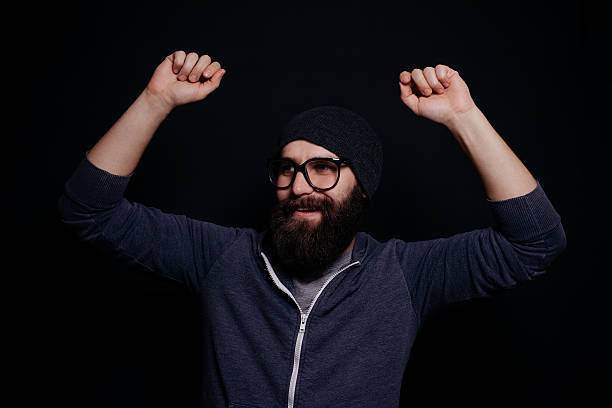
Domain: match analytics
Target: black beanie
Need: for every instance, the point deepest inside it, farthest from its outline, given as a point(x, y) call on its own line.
point(344, 133)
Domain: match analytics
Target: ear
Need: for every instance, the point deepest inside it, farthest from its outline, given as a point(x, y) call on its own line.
point(363, 195)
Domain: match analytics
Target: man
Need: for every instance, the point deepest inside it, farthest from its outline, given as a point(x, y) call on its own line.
point(313, 313)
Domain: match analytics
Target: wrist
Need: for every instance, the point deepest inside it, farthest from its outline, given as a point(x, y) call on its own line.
point(156, 102)
point(458, 123)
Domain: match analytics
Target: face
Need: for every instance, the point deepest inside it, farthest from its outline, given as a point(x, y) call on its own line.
point(309, 229)
point(299, 151)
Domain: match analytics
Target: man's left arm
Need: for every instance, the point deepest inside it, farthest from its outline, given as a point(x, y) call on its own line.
point(441, 95)
point(528, 234)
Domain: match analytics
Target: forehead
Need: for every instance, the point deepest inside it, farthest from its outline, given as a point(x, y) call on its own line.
point(302, 150)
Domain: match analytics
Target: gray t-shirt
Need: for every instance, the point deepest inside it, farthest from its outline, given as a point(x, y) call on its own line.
point(304, 291)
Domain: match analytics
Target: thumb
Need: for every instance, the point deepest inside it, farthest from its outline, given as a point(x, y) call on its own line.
point(166, 64)
point(409, 98)
point(213, 83)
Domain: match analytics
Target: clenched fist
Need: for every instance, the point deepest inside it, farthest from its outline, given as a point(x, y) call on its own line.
point(183, 78)
point(436, 93)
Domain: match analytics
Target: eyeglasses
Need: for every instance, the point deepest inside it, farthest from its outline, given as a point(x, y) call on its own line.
point(321, 173)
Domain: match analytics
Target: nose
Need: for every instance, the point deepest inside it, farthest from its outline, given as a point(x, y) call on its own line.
point(300, 185)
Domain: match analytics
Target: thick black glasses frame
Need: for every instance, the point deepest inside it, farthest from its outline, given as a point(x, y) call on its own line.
point(302, 168)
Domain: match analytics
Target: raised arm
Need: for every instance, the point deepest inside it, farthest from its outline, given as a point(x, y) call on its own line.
point(93, 202)
point(527, 235)
point(180, 79)
point(440, 94)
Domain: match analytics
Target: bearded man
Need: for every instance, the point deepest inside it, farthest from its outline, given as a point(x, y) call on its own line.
point(313, 312)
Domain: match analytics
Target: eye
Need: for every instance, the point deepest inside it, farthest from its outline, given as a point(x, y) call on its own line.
point(285, 169)
point(323, 167)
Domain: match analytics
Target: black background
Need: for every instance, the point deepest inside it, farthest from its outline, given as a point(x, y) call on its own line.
point(90, 333)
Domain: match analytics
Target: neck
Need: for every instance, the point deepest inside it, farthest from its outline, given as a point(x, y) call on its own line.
point(350, 246)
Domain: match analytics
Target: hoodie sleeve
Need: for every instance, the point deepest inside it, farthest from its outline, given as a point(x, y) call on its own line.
point(526, 237)
point(175, 246)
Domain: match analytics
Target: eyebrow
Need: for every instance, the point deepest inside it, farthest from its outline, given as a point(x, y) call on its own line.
point(313, 157)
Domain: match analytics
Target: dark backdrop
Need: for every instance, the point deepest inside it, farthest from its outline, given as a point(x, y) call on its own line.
point(91, 333)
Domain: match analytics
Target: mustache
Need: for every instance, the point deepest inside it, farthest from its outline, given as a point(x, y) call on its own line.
point(323, 203)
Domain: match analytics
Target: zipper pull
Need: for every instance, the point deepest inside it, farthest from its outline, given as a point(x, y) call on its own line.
point(303, 324)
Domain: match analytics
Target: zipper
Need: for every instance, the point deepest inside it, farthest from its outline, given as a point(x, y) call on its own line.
point(296, 359)
point(303, 319)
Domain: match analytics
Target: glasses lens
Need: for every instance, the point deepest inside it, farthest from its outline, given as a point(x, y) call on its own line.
point(322, 173)
point(281, 172)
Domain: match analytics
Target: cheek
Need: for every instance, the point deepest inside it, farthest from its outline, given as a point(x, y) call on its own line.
point(282, 194)
point(344, 187)
point(339, 195)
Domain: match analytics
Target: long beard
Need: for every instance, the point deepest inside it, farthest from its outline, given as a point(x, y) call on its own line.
point(305, 248)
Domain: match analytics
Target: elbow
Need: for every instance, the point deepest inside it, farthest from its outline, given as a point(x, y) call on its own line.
point(64, 208)
point(79, 218)
point(73, 216)
point(70, 211)
point(553, 245)
point(537, 256)
point(556, 243)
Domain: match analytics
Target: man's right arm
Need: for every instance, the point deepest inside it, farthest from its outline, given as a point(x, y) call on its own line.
point(180, 79)
point(175, 246)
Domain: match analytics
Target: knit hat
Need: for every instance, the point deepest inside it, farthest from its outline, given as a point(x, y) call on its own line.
point(344, 133)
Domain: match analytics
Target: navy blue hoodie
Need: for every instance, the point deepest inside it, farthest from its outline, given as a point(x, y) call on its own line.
point(351, 346)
